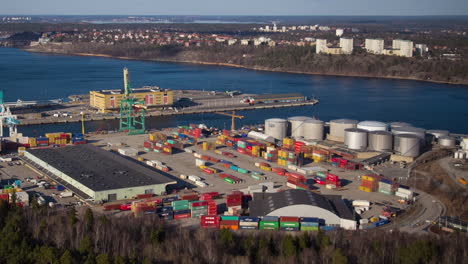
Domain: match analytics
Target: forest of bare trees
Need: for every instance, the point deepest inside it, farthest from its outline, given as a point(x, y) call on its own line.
point(41, 235)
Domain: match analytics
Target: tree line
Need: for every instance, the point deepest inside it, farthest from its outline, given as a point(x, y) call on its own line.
point(41, 235)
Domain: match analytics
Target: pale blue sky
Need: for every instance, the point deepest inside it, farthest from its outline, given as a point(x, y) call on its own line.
point(234, 7)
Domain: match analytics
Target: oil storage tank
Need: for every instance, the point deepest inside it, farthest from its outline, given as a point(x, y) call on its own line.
point(407, 145)
point(297, 125)
point(447, 141)
point(276, 128)
point(399, 124)
point(380, 141)
point(355, 138)
point(372, 126)
point(313, 129)
point(419, 132)
point(338, 126)
point(437, 133)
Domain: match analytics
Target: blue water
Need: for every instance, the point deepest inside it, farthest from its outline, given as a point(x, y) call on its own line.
point(30, 76)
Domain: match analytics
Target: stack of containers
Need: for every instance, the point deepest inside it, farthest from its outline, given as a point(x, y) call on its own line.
point(297, 181)
point(42, 141)
point(181, 209)
point(198, 208)
point(257, 175)
point(269, 223)
point(332, 181)
point(209, 221)
point(148, 146)
point(77, 139)
point(299, 146)
point(334, 162)
point(208, 145)
point(234, 200)
point(32, 142)
point(386, 186)
point(288, 143)
point(309, 224)
point(404, 193)
point(209, 196)
point(229, 178)
point(279, 171)
point(212, 208)
point(248, 222)
point(241, 147)
point(229, 222)
point(189, 197)
point(271, 154)
point(289, 223)
point(369, 183)
point(165, 212)
point(263, 165)
point(319, 155)
point(286, 157)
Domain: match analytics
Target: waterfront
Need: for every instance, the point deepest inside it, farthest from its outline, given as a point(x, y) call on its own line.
point(428, 105)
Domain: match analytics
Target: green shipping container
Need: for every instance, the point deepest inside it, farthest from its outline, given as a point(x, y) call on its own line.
point(229, 217)
point(385, 192)
point(321, 174)
point(256, 177)
point(242, 170)
point(268, 228)
point(257, 173)
point(309, 228)
point(180, 202)
point(229, 180)
point(8, 187)
point(269, 223)
point(180, 207)
point(289, 224)
point(146, 149)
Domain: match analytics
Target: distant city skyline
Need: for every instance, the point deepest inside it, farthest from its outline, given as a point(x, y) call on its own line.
point(239, 7)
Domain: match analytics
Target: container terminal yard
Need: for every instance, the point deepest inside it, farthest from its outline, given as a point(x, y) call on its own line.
point(295, 174)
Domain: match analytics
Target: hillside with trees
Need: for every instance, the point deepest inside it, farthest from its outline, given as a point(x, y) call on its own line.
point(66, 235)
point(284, 59)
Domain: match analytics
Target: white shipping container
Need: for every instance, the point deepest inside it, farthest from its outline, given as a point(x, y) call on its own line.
point(403, 195)
point(330, 186)
point(131, 152)
point(257, 164)
point(197, 155)
point(248, 223)
point(183, 177)
point(66, 194)
point(194, 178)
point(361, 203)
point(290, 185)
point(363, 221)
point(403, 190)
point(292, 167)
point(200, 162)
point(188, 150)
point(149, 163)
point(201, 184)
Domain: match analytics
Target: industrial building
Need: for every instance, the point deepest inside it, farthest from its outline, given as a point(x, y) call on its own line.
point(375, 46)
point(300, 203)
point(97, 174)
point(279, 98)
point(108, 100)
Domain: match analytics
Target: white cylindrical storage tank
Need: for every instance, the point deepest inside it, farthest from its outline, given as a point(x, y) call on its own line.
point(407, 145)
point(399, 124)
point(313, 129)
point(276, 128)
point(297, 125)
point(419, 132)
point(338, 126)
point(372, 126)
point(446, 141)
point(380, 141)
point(355, 138)
point(437, 133)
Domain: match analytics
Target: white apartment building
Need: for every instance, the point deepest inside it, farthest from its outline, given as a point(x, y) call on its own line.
point(375, 46)
point(405, 47)
point(321, 46)
point(346, 45)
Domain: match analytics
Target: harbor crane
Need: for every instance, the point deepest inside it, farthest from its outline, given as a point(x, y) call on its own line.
point(132, 111)
point(233, 118)
point(6, 118)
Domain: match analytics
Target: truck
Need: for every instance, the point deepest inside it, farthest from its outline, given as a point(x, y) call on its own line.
point(66, 194)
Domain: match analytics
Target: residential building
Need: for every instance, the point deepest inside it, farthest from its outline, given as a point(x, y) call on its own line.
point(346, 45)
point(321, 46)
point(405, 47)
point(375, 46)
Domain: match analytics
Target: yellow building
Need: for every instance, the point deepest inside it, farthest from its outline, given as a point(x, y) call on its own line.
point(108, 100)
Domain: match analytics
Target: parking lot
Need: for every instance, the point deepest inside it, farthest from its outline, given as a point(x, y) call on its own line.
point(29, 177)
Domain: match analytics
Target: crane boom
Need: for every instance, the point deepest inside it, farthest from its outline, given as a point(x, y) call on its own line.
point(233, 116)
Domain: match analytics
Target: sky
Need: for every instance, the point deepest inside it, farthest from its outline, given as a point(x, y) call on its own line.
point(234, 7)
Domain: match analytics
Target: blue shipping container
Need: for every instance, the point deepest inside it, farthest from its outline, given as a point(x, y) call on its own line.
point(249, 219)
point(164, 209)
point(327, 228)
point(232, 167)
point(386, 181)
point(309, 224)
point(179, 212)
point(60, 188)
point(248, 227)
point(270, 218)
point(381, 223)
point(170, 199)
point(309, 219)
point(225, 161)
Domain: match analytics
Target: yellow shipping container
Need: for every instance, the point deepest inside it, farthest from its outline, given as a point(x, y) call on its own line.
point(364, 189)
point(140, 159)
point(202, 167)
point(373, 219)
point(367, 178)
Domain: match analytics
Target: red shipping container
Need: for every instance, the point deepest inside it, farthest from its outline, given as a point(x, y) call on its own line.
point(296, 176)
point(146, 195)
point(278, 170)
point(109, 207)
point(332, 175)
point(197, 204)
point(210, 217)
point(289, 219)
point(189, 197)
point(331, 179)
point(181, 216)
point(215, 160)
point(4, 196)
point(229, 222)
point(125, 207)
point(208, 171)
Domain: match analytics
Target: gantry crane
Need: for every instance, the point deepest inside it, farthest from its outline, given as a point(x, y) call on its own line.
point(7, 118)
point(132, 111)
point(233, 116)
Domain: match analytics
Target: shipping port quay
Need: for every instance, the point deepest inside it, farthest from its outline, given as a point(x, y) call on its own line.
point(185, 102)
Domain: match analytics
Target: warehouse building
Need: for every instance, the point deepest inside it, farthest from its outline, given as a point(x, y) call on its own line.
point(97, 174)
point(108, 100)
point(330, 208)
